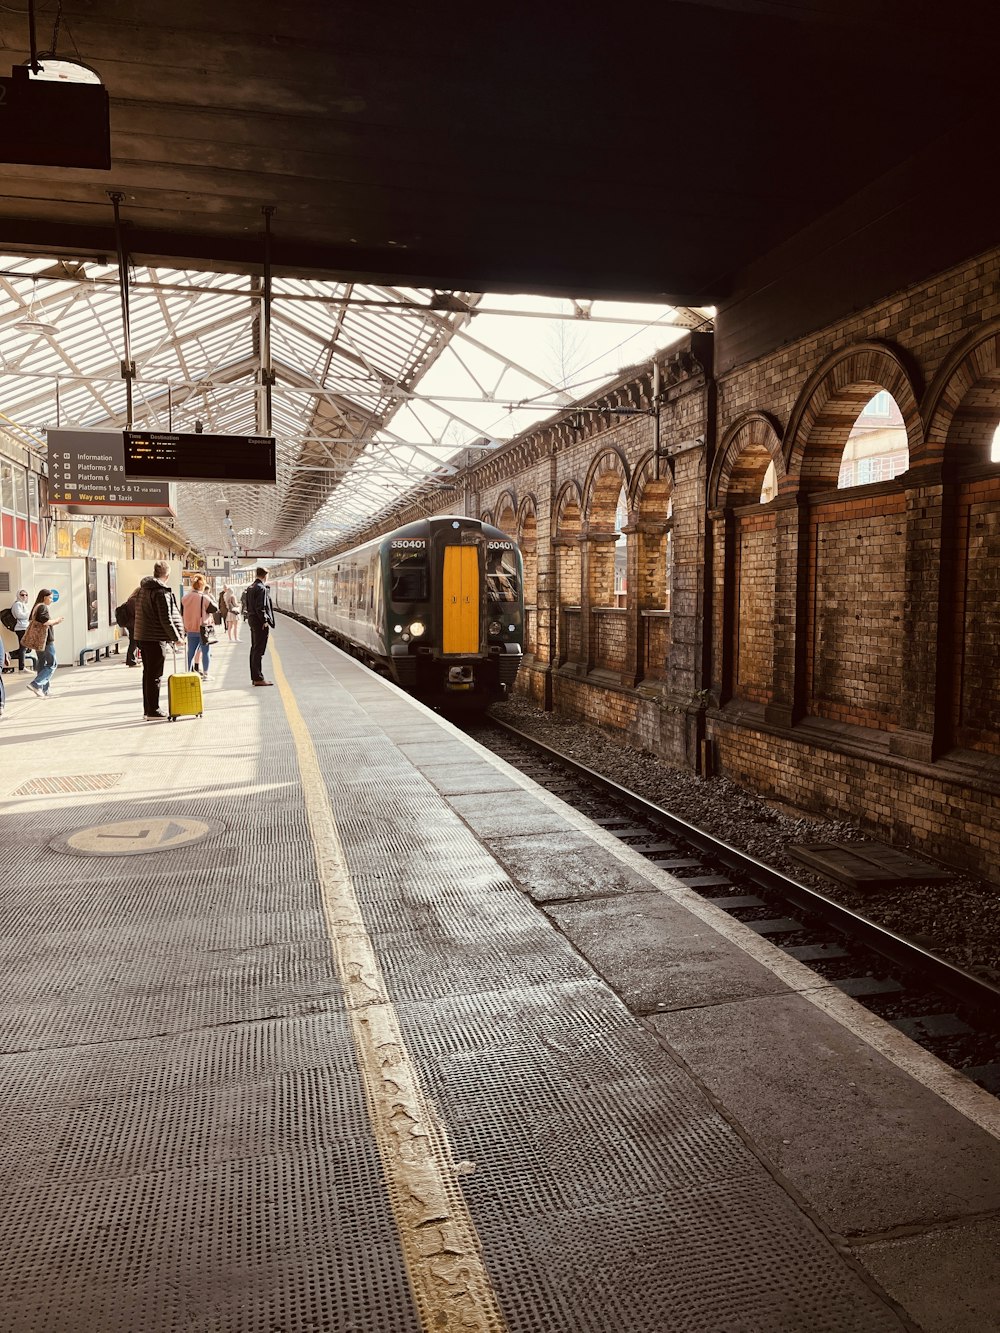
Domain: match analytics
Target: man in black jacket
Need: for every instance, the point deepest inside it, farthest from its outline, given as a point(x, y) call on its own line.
point(260, 615)
point(157, 621)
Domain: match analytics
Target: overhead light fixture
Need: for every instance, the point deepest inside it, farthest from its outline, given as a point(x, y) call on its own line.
point(32, 320)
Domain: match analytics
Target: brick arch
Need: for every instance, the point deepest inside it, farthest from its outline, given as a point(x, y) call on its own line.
point(962, 407)
point(747, 449)
point(487, 517)
point(831, 402)
point(648, 496)
point(608, 473)
point(506, 512)
point(527, 521)
point(569, 511)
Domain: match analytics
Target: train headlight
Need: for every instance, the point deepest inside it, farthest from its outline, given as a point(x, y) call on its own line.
point(495, 628)
point(405, 637)
point(511, 628)
point(397, 629)
point(417, 628)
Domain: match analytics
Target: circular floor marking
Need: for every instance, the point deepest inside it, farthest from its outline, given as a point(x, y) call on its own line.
point(137, 837)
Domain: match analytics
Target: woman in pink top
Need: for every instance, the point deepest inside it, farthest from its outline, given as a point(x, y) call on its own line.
point(197, 609)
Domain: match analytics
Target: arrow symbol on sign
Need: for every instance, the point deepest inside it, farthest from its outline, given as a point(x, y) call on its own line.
point(127, 837)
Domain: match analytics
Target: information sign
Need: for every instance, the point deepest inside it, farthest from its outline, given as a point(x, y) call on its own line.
point(87, 476)
point(164, 456)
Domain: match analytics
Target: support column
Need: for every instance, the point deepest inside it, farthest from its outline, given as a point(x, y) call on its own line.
point(791, 611)
point(633, 597)
point(724, 606)
point(923, 729)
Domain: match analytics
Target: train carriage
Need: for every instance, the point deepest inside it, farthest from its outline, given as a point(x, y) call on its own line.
point(437, 605)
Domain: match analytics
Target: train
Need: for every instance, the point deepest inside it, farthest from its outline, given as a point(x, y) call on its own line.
point(436, 605)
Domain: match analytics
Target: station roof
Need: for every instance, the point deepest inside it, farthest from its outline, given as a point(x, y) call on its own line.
point(377, 388)
point(650, 152)
point(416, 158)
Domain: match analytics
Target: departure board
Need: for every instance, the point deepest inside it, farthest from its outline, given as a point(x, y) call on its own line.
point(156, 455)
point(87, 476)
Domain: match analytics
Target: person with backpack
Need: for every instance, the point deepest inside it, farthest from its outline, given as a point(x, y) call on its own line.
point(125, 617)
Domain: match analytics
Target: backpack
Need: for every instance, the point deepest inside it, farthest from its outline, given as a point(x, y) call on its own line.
point(121, 615)
point(8, 618)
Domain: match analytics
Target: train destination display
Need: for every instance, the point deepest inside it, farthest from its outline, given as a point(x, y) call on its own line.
point(168, 456)
point(87, 476)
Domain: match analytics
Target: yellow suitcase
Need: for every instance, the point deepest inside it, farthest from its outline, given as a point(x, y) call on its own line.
point(184, 695)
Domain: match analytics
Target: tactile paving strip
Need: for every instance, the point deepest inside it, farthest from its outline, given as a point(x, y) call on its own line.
point(718, 1258)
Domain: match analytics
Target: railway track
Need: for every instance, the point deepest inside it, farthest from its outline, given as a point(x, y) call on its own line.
point(949, 1011)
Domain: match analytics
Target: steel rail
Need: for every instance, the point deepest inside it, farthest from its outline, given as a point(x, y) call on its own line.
point(975, 992)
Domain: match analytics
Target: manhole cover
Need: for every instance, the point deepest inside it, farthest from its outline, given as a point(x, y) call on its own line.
point(77, 782)
point(137, 837)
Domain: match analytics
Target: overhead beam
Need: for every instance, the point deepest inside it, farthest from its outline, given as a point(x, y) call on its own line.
point(625, 276)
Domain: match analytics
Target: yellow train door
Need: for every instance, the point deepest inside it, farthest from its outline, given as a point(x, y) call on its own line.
point(460, 600)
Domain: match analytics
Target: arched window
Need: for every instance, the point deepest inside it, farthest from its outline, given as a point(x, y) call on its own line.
point(877, 448)
point(995, 449)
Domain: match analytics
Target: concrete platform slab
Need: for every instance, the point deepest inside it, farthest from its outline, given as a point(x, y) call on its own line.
point(656, 956)
point(552, 867)
point(808, 1092)
point(946, 1278)
point(466, 778)
point(489, 815)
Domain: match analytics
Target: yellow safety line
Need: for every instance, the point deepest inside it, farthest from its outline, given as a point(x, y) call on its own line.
point(443, 1255)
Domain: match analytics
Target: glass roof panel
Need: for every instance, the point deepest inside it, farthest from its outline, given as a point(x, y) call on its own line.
point(376, 387)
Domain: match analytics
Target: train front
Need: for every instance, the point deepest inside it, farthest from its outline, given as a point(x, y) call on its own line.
point(454, 610)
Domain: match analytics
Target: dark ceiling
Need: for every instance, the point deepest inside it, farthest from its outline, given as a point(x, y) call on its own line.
point(635, 152)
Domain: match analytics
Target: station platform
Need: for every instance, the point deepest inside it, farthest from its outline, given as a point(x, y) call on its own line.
point(317, 1016)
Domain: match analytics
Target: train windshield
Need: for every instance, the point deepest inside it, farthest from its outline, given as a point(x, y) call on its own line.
point(409, 576)
point(501, 575)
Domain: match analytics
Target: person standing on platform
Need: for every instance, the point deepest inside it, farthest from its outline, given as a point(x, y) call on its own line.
point(45, 655)
point(260, 614)
point(127, 622)
point(157, 622)
point(198, 610)
point(21, 612)
point(230, 606)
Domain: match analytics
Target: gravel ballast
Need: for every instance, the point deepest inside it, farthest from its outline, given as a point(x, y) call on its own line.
point(957, 919)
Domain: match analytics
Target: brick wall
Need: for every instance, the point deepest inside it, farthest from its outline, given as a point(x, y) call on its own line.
point(856, 622)
point(836, 647)
point(755, 607)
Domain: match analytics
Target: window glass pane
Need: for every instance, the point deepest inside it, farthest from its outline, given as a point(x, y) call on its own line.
point(21, 490)
point(33, 496)
point(409, 576)
point(501, 575)
point(6, 485)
